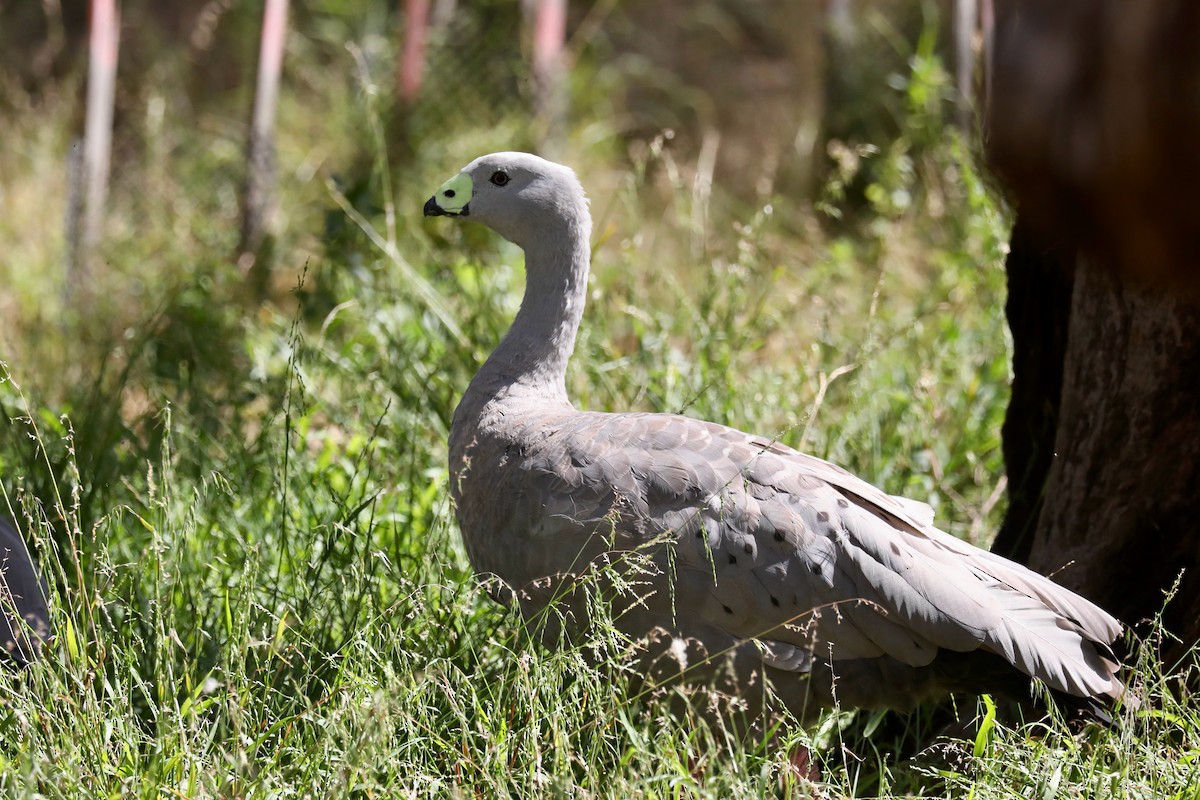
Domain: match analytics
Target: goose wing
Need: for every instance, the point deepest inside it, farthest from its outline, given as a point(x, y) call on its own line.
point(771, 545)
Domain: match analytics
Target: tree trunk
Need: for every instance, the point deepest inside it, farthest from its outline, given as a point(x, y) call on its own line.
point(1123, 512)
point(1102, 437)
point(1093, 117)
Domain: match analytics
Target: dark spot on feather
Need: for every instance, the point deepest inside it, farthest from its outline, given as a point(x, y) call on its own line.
point(728, 610)
point(843, 503)
point(774, 600)
point(732, 559)
point(700, 533)
point(747, 548)
point(778, 536)
point(816, 569)
point(822, 516)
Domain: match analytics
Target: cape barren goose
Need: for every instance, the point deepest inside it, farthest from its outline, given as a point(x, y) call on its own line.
point(717, 542)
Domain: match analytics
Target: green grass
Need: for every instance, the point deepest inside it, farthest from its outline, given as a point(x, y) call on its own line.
point(258, 587)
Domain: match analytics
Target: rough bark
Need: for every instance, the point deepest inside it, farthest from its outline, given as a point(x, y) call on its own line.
point(1102, 436)
point(1123, 516)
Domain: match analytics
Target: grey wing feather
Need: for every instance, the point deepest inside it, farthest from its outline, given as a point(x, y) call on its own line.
point(786, 549)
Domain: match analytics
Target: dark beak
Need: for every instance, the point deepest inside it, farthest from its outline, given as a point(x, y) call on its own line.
point(432, 209)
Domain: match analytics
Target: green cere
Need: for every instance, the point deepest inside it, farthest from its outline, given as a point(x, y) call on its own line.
point(455, 193)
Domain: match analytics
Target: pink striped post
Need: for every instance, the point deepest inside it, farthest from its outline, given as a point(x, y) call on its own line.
point(260, 179)
point(549, 33)
point(412, 58)
point(103, 45)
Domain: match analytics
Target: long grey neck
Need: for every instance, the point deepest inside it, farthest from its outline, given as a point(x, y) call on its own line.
point(531, 362)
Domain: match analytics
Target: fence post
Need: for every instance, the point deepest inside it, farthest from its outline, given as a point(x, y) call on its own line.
point(966, 22)
point(83, 235)
point(549, 69)
point(411, 70)
point(260, 150)
point(988, 23)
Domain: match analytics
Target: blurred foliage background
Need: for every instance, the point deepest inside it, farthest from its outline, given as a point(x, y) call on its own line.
point(807, 139)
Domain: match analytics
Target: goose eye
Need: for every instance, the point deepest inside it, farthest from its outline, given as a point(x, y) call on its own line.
point(499, 178)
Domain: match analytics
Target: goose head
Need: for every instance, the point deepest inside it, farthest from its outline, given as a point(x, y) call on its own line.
point(521, 196)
